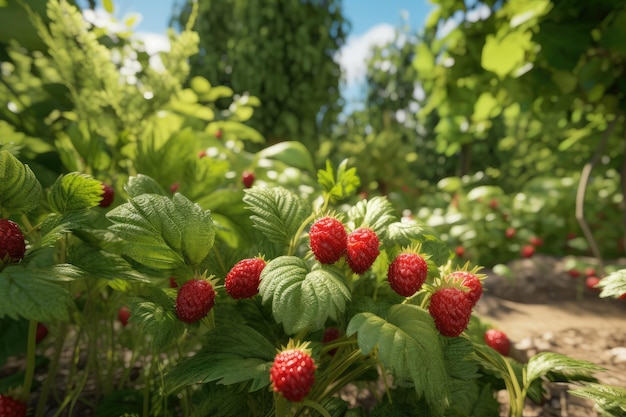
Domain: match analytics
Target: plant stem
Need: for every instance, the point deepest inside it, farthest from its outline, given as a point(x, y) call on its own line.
point(316, 406)
point(30, 356)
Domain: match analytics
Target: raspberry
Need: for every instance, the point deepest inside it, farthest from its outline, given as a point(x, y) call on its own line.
point(591, 282)
point(11, 407)
point(123, 315)
point(535, 241)
point(12, 243)
point(362, 249)
point(173, 283)
point(242, 281)
point(451, 308)
point(460, 251)
point(194, 300)
point(469, 280)
point(328, 239)
point(407, 273)
point(247, 178)
point(497, 340)
point(509, 232)
point(528, 251)
point(107, 196)
point(293, 373)
point(42, 332)
point(330, 334)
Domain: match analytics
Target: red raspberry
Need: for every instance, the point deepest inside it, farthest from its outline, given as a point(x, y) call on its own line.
point(328, 239)
point(451, 309)
point(471, 281)
point(330, 334)
point(11, 407)
point(509, 232)
point(528, 251)
point(535, 241)
point(123, 314)
point(497, 340)
point(591, 283)
point(362, 249)
point(201, 154)
point(107, 196)
point(42, 332)
point(574, 273)
point(293, 373)
point(242, 281)
point(460, 251)
point(407, 273)
point(218, 134)
point(194, 300)
point(247, 178)
point(174, 187)
point(12, 243)
point(590, 271)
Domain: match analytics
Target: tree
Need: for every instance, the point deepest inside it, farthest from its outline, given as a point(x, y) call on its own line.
point(281, 51)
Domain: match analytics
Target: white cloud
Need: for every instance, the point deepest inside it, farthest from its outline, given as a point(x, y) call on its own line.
point(474, 15)
point(154, 42)
point(352, 57)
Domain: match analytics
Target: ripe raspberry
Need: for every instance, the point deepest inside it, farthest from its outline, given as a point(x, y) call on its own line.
point(451, 309)
point(362, 249)
point(574, 273)
point(497, 340)
point(174, 187)
point(11, 407)
point(407, 273)
point(247, 178)
point(42, 332)
point(328, 239)
point(293, 373)
point(242, 281)
point(12, 243)
point(590, 271)
point(528, 251)
point(509, 232)
point(123, 315)
point(330, 334)
point(471, 281)
point(460, 251)
point(194, 300)
point(107, 196)
point(218, 134)
point(493, 203)
point(201, 154)
point(591, 282)
point(535, 241)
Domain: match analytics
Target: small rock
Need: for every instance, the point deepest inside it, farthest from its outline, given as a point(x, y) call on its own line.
point(618, 354)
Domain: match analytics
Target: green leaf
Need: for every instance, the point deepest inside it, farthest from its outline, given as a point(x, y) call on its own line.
point(377, 213)
point(35, 294)
point(142, 184)
point(341, 186)
point(103, 265)
point(609, 398)
point(292, 153)
point(74, 192)
point(408, 345)
point(405, 233)
point(235, 129)
point(233, 354)
point(108, 6)
point(302, 298)
point(157, 319)
point(504, 55)
point(163, 233)
point(277, 212)
point(20, 190)
point(613, 285)
point(558, 367)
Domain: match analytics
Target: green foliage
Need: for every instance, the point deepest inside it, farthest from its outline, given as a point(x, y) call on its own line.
point(613, 285)
point(611, 400)
point(74, 192)
point(281, 52)
point(303, 298)
point(156, 315)
point(20, 190)
point(163, 233)
point(340, 185)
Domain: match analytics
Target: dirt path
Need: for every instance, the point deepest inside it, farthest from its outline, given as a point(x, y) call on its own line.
point(541, 310)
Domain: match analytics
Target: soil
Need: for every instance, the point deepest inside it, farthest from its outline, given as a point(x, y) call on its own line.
point(541, 308)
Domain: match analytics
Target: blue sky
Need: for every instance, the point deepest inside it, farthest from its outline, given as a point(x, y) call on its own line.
point(373, 22)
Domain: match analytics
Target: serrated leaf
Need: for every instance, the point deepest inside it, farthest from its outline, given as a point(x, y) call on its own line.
point(613, 285)
point(558, 367)
point(99, 264)
point(408, 345)
point(158, 320)
point(35, 294)
point(277, 212)
point(610, 398)
point(377, 213)
point(233, 354)
point(404, 233)
point(340, 186)
point(163, 233)
point(142, 184)
point(75, 192)
point(302, 298)
point(20, 190)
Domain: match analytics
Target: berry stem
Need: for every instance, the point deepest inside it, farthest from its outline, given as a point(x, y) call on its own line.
point(296, 237)
point(316, 406)
point(30, 356)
